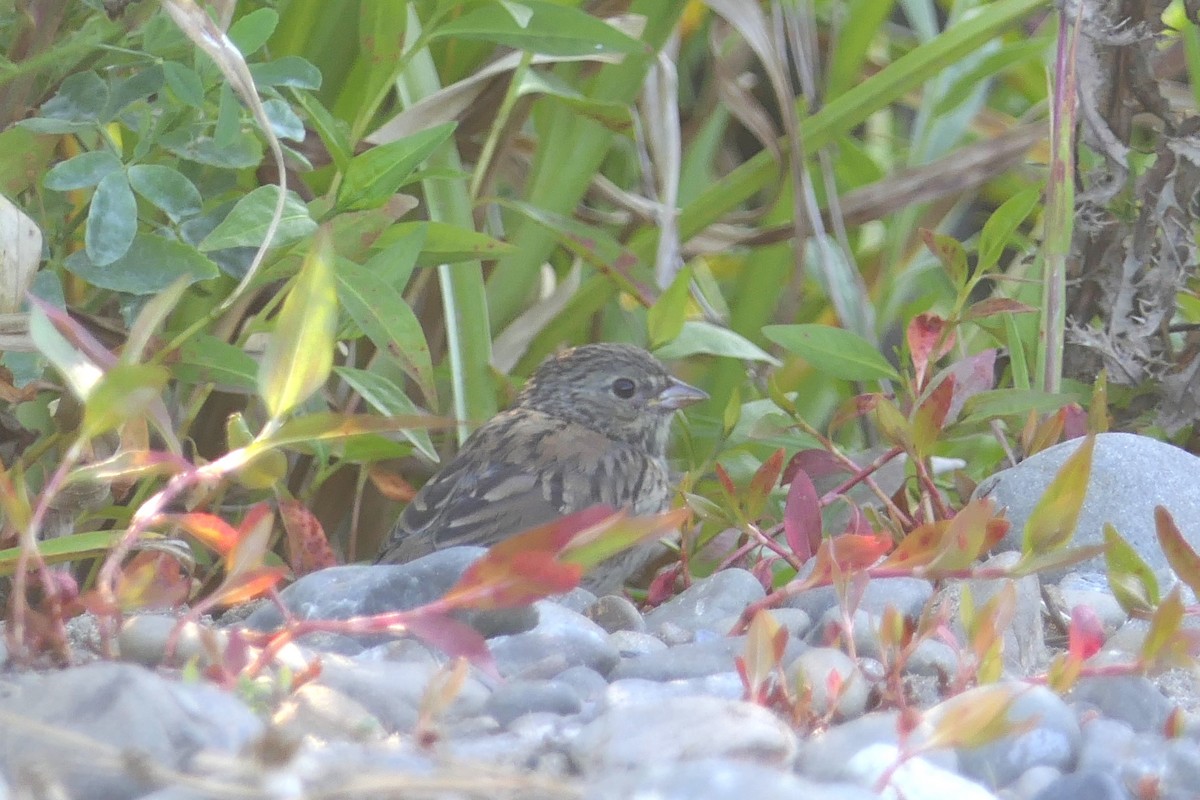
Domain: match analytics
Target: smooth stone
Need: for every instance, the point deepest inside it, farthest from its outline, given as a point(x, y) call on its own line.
point(561, 639)
point(328, 715)
point(513, 699)
point(1032, 781)
point(394, 692)
point(588, 684)
point(631, 644)
point(1080, 785)
point(796, 621)
point(142, 639)
point(716, 779)
point(1106, 745)
point(932, 658)
point(915, 779)
point(813, 669)
point(122, 707)
point(578, 599)
point(1131, 699)
point(355, 590)
point(674, 729)
point(634, 691)
point(1073, 592)
point(824, 755)
point(615, 613)
point(1054, 740)
point(694, 660)
point(1131, 474)
point(707, 601)
point(1183, 768)
point(906, 595)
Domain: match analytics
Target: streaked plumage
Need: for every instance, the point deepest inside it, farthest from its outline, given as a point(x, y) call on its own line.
point(590, 426)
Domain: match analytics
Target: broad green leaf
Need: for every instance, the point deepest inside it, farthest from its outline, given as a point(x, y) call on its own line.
point(207, 359)
point(381, 312)
point(664, 320)
point(284, 121)
point(167, 189)
point(151, 264)
point(122, 393)
point(614, 116)
point(299, 354)
point(998, 230)
point(112, 220)
point(195, 143)
point(247, 223)
point(184, 83)
point(388, 398)
point(71, 547)
point(253, 30)
point(378, 173)
point(81, 98)
point(834, 351)
point(127, 91)
point(1052, 522)
point(292, 71)
point(1132, 582)
point(698, 336)
point(550, 29)
point(995, 403)
point(328, 426)
point(152, 314)
point(85, 169)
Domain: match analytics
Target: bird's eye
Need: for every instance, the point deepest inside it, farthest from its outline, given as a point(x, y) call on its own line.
point(624, 388)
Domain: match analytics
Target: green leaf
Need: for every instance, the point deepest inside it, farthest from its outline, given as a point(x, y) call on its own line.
point(549, 29)
point(374, 176)
point(247, 223)
point(380, 311)
point(1052, 522)
point(207, 359)
point(292, 71)
point(995, 403)
point(253, 30)
point(124, 392)
point(445, 243)
point(664, 320)
point(704, 337)
point(388, 398)
point(328, 426)
point(167, 189)
point(184, 83)
point(1132, 582)
point(194, 143)
point(833, 351)
point(151, 264)
point(127, 91)
point(81, 98)
point(85, 169)
point(284, 121)
point(1002, 224)
point(299, 354)
point(112, 220)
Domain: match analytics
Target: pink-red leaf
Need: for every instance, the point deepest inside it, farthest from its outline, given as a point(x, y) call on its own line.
point(1179, 553)
point(761, 484)
point(929, 338)
point(308, 547)
point(802, 516)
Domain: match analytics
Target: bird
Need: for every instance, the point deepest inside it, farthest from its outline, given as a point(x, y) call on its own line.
point(590, 427)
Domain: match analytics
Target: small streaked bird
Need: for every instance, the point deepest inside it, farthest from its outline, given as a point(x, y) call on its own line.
point(590, 427)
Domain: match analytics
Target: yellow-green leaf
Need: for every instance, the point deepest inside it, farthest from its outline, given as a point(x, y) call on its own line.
point(1052, 523)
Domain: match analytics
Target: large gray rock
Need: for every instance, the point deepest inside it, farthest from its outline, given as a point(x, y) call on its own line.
point(1130, 476)
point(128, 713)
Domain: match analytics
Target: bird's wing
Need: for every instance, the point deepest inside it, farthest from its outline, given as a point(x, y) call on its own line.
point(520, 470)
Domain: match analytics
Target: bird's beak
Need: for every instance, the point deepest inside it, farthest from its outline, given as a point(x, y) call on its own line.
point(679, 394)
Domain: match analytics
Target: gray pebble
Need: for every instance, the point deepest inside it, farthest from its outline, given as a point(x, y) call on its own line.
point(614, 613)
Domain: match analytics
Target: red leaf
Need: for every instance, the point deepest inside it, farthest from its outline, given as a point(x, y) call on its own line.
point(726, 482)
point(972, 375)
point(1075, 422)
point(1179, 553)
point(454, 638)
point(254, 536)
point(762, 483)
point(308, 548)
point(246, 585)
point(212, 531)
point(847, 553)
point(816, 463)
point(662, 588)
point(931, 416)
point(1086, 634)
point(928, 341)
point(802, 516)
point(391, 485)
